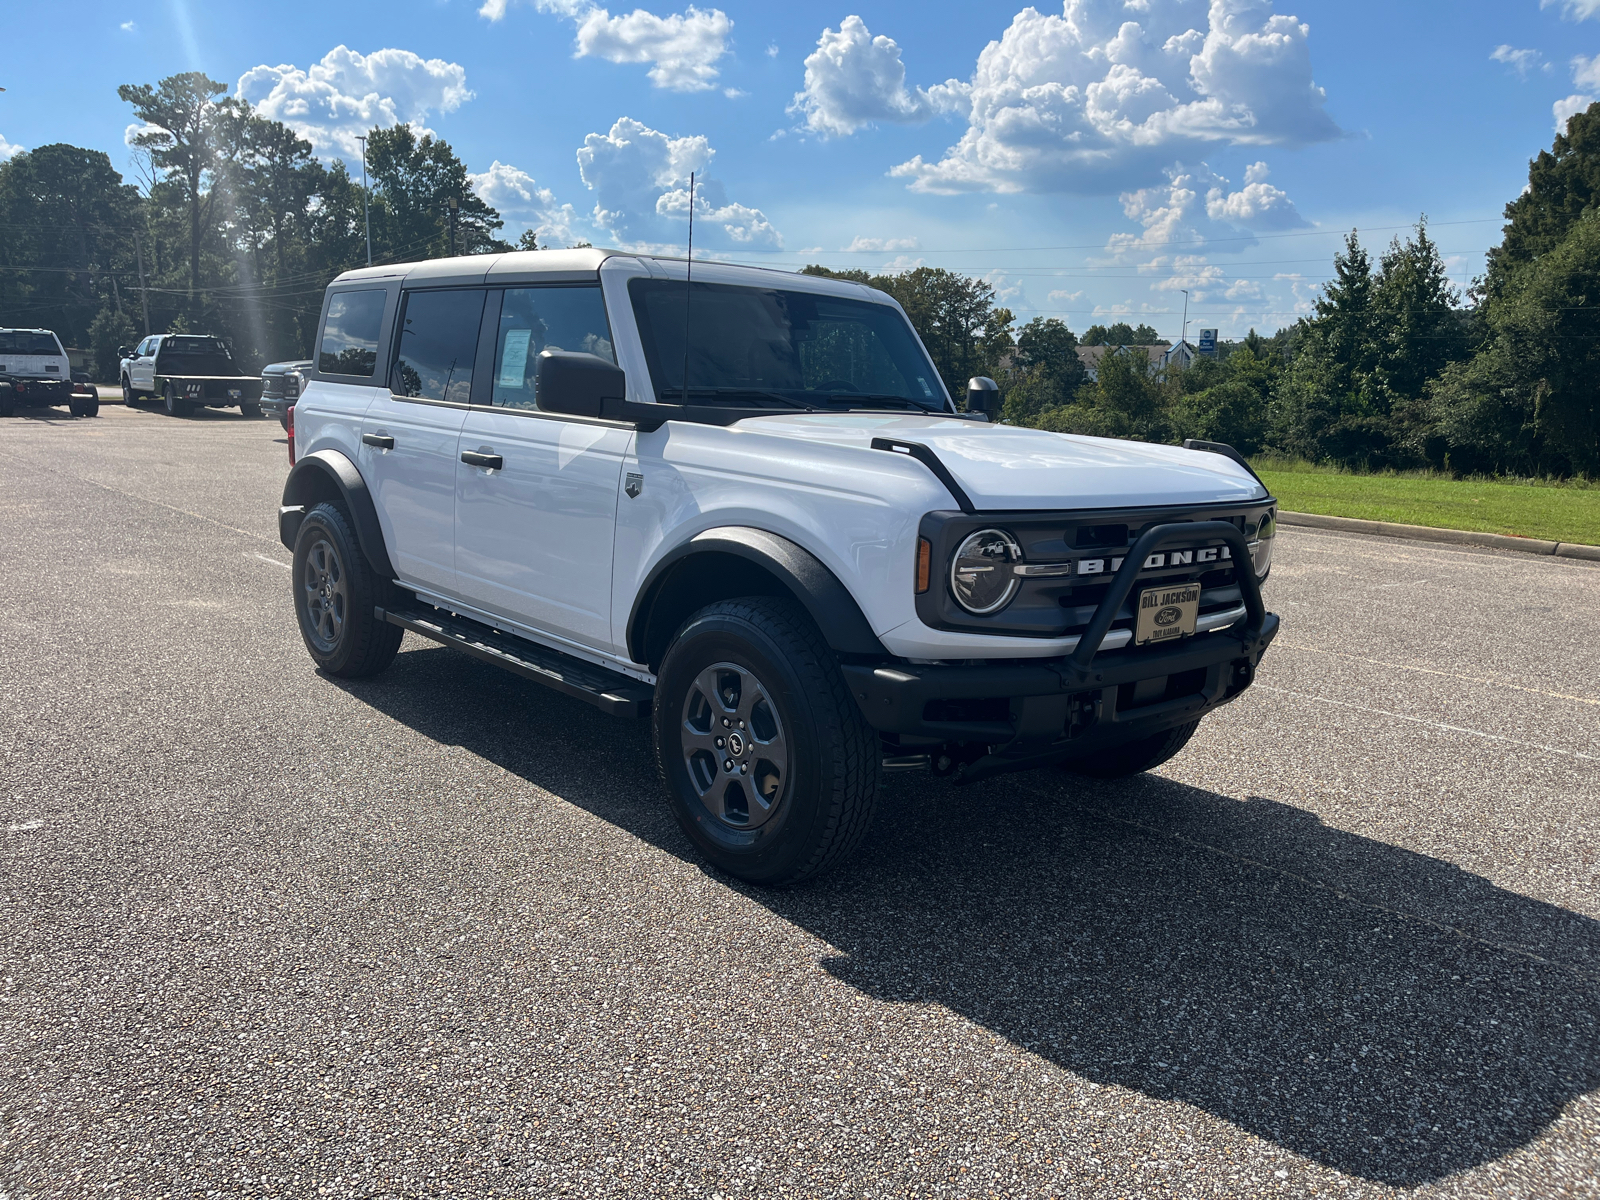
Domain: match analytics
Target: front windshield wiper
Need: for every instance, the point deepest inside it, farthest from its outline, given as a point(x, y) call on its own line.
point(882, 398)
point(671, 394)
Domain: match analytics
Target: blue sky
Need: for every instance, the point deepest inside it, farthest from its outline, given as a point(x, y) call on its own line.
point(1089, 160)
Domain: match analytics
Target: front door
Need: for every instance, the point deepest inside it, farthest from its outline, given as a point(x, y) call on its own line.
point(142, 370)
point(534, 533)
point(409, 435)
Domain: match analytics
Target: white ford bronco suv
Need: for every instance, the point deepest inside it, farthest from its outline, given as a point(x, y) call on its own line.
point(744, 506)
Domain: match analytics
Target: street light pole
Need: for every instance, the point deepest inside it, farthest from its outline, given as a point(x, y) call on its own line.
point(455, 205)
point(1184, 336)
point(366, 216)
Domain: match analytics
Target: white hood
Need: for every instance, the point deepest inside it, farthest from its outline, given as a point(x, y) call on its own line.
point(1007, 467)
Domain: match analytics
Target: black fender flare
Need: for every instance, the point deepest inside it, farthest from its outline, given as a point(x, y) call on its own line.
point(308, 484)
point(801, 573)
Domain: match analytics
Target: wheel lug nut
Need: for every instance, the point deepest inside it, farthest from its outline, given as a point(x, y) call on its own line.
point(727, 764)
point(725, 721)
point(744, 768)
point(719, 743)
point(741, 724)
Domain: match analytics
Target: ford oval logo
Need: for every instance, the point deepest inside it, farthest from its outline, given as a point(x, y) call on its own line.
point(1169, 615)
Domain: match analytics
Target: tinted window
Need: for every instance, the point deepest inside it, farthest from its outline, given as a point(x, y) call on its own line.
point(438, 341)
point(183, 344)
point(350, 334)
point(21, 342)
point(546, 318)
point(810, 349)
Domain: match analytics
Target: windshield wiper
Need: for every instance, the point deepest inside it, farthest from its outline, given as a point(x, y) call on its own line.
point(671, 394)
point(882, 398)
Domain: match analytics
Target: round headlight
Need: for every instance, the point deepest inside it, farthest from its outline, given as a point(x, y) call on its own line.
point(980, 574)
point(1261, 546)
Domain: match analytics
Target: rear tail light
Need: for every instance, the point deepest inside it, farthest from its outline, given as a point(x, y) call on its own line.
point(288, 415)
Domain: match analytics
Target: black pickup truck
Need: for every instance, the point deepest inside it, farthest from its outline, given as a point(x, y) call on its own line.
point(188, 371)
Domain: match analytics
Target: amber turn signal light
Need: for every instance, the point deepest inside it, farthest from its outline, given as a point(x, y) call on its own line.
point(924, 564)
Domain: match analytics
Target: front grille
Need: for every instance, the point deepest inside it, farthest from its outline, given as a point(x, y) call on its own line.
point(1072, 558)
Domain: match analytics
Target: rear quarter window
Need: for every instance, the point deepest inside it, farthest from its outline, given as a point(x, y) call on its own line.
point(349, 344)
point(19, 341)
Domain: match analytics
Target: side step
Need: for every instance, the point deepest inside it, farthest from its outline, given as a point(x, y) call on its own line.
point(609, 691)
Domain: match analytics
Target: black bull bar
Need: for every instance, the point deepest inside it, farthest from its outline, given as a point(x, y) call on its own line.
point(1048, 695)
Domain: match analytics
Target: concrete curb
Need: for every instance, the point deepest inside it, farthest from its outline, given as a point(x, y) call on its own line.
point(1454, 537)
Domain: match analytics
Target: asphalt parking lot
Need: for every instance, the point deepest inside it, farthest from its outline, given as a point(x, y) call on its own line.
point(265, 933)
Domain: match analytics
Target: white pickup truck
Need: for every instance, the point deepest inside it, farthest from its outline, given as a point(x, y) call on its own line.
point(746, 508)
point(34, 371)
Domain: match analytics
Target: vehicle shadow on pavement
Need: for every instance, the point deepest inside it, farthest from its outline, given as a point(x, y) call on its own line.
point(1373, 1009)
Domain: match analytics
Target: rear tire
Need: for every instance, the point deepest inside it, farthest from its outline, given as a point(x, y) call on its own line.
point(788, 792)
point(176, 406)
point(85, 408)
point(252, 411)
point(8, 400)
point(335, 591)
point(1134, 757)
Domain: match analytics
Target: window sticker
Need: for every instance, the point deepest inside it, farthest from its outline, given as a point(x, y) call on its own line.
point(514, 362)
point(926, 390)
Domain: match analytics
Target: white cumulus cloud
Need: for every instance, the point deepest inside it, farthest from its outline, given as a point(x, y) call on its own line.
point(1574, 10)
point(682, 48)
point(1196, 206)
point(854, 79)
point(348, 93)
point(640, 178)
point(1092, 102)
point(522, 201)
point(858, 244)
point(1585, 74)
point(9, 149)
point(1520, 61)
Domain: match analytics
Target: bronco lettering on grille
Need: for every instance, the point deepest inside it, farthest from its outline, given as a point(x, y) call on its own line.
point(1170, 558)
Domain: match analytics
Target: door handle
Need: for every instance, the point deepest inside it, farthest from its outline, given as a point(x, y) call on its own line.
point(381, 440)
point(473, 459)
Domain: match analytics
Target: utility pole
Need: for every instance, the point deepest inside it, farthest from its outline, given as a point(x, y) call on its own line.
point(1184, 336)
point(144, 295)
point(366, 215)
point(455, 206)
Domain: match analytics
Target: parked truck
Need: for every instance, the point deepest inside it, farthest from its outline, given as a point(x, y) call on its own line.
point(34, 371)
point(187, 371)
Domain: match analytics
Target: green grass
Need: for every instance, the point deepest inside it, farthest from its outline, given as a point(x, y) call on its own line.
point(1556, 512)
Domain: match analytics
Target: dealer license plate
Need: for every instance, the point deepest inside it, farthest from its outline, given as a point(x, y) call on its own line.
point(1167, 613)
point(235, 393)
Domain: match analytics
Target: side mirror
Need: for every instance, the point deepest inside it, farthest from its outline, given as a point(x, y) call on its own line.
point(584, 385)
point(124, 352)
point(983, 396)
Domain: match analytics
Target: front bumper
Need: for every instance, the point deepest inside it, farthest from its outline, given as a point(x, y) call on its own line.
point(1016, 714)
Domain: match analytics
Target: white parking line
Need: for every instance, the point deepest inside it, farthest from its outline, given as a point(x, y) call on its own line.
point(1373, 662)
point(273, 561)
point(1493, 737)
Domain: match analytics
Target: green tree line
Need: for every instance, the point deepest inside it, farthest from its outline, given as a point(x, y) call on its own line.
point(235, 229)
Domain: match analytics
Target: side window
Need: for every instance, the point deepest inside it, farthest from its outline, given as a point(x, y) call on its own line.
point(545, 318)
point(350, 334)
point(146, 348)
point(438, 341)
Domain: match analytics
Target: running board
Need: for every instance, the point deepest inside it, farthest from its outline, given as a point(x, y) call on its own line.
point(609, 691)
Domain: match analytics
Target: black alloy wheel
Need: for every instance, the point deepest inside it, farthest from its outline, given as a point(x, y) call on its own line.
point(770, 767)
point(335, 592)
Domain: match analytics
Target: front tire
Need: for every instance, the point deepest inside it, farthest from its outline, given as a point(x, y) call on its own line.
point(770, 768)
point(1143, 755)
point(335, 591)
point(129, 397)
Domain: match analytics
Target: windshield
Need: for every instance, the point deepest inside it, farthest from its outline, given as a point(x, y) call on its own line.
point(792, 349)
point(19, 341)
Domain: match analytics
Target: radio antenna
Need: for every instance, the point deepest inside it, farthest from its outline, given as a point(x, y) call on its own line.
point(688, 291)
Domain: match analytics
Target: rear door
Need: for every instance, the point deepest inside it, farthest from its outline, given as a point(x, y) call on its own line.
point(534, 533)
point(410, 432)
